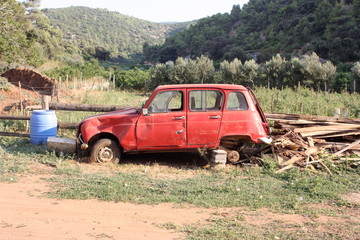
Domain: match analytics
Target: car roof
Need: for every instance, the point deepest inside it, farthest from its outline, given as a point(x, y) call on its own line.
point(219, 86)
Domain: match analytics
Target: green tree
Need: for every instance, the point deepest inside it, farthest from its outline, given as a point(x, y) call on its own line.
point(250, 69)
point(205, 69)
point(232, 71)
point(275, 70)
point(14, 46)
point(318, 72)
point(355, 76)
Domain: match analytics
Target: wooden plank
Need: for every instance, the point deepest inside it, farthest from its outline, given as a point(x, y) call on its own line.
point(11, 134)
point(276, 116)
point(346, 148)
point(327, 128)
point(343, 134)
point(319, 133)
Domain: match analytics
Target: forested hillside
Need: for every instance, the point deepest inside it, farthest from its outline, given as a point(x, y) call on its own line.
point(26, 36)
point(106, 34)
point(263, 28)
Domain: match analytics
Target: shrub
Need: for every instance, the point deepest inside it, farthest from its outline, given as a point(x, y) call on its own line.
point(4, 84)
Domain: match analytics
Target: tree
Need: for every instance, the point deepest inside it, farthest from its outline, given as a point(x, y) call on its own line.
point(275, 70)
point(231, 71)
point(250, 70)
point(318, 72)
point(158, 76)
point(355, 73)
point(205, 69)
point(14, 46)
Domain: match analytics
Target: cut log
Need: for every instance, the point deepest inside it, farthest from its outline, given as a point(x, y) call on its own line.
point(11, 134)
point(14, 117)
point(85, 107)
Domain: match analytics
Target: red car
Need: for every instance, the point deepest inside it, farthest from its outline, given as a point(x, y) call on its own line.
point(177, 118)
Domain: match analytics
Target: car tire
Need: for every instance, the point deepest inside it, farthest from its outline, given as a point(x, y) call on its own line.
point(105, 151)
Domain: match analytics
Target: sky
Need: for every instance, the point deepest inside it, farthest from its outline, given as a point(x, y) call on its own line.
point(154, 10)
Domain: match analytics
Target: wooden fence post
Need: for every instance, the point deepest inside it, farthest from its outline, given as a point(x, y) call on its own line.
point(337, 112)
point(45, 102)
point(21, 102)
point(58, 91)
point(67, 81)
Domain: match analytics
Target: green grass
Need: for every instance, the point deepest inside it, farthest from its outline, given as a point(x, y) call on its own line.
point(236, 228)
point(237, 188)
point(307, 101)
point(17, 155)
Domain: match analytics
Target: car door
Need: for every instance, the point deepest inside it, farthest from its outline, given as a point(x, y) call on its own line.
point(204, 116)
point(164, 125)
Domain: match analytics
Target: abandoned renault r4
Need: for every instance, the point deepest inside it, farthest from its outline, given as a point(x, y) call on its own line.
point(177, 118)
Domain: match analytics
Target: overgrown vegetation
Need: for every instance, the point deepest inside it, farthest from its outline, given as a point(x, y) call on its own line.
point(278, 72)
point(89, 29)
point(261, 29)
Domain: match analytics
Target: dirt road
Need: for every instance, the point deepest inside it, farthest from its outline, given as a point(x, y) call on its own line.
point(25, 214)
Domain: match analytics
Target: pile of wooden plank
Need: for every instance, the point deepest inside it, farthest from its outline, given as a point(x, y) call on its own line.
point(313, 141)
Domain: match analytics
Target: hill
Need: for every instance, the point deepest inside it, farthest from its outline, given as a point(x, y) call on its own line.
point(100, 31)
point(263, 28)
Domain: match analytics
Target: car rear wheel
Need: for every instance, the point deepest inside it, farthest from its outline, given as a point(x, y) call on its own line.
point(105, 151)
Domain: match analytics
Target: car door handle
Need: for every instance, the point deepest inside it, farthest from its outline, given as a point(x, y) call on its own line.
point(214, 117)
point(179, 118)
point(180, 131)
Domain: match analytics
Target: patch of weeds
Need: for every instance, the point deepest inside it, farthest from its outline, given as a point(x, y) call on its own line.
point(66, 169)
point(17, 155)
point(233, 228)
point(315, 188)
point(169, 226)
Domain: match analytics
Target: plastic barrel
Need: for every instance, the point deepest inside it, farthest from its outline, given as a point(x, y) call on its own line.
point(43, 124)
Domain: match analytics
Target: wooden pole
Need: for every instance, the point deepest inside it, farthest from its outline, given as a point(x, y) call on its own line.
point(20, 97)
point(57, 91)
point(109, 82)
point(45, 102)
point(14, 117)
point(11, 134)
point(114, 81)
point(85, 107)
point(53, 90)
point(67, 81)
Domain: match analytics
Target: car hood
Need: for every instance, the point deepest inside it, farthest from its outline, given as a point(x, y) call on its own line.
point(124, 111)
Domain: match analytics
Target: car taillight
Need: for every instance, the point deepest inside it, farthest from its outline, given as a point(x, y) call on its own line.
point(266, 127)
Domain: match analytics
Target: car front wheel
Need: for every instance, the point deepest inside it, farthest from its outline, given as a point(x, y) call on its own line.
point(105, 151)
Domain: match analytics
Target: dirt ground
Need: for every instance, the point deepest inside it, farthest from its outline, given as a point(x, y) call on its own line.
point(25, 213)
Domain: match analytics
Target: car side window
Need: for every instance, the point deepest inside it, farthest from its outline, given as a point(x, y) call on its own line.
point(236, 101)
point(205, 100)
point(167, 101)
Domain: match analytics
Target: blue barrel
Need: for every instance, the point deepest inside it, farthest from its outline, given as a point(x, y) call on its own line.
point(43, 124)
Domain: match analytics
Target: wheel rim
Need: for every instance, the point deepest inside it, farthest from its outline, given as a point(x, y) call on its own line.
point(105, 155)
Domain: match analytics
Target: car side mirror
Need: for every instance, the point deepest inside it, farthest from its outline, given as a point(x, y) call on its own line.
point(145, 111)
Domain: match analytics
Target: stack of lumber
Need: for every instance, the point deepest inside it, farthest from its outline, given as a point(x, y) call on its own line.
point(309, 141)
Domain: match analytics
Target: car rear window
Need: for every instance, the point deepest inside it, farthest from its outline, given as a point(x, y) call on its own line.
point(236, 102)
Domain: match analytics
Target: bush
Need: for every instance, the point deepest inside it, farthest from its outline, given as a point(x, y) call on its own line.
point(4, 84)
